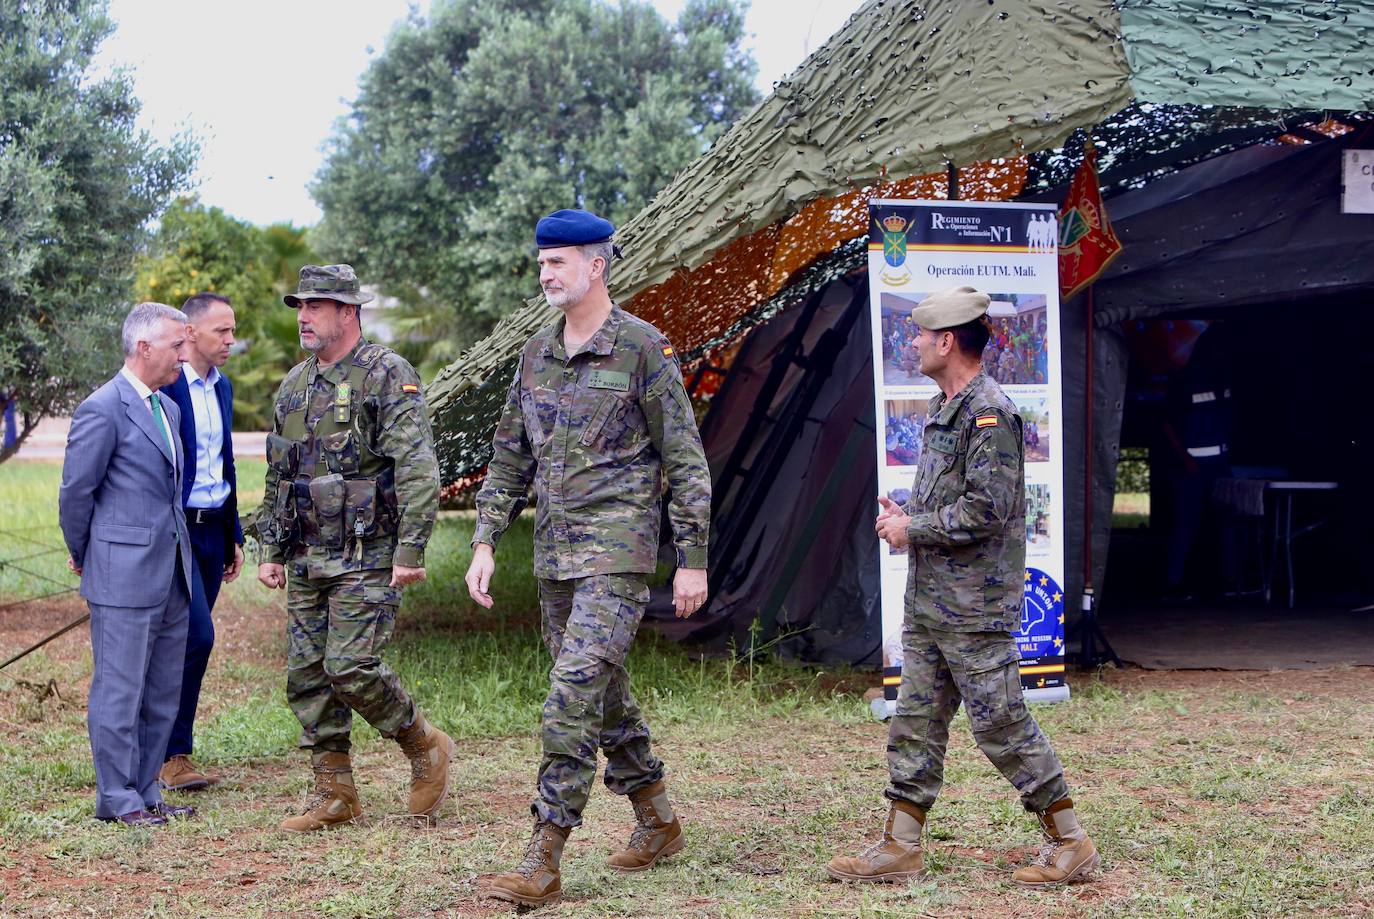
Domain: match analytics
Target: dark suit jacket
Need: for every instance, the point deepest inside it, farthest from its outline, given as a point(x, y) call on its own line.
point(180, 391)
point(119, 505)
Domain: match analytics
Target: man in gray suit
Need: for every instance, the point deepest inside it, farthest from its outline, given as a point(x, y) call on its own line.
point(122, 519)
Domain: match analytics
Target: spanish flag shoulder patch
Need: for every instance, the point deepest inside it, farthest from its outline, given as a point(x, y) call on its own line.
point(665, 347)
point(409, 387)
point(986, 421)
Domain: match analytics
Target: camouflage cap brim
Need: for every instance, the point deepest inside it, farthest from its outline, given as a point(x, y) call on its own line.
point(357, 298)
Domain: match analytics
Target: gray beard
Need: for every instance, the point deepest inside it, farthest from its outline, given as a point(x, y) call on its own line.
point(567, 296)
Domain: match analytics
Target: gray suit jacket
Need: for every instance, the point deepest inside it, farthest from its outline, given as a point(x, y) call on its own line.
point(120, 501)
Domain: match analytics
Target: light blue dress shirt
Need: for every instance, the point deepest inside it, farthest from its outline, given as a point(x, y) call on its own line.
point(208, 490)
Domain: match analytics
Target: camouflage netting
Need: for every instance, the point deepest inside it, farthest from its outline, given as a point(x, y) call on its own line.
point(900, 92)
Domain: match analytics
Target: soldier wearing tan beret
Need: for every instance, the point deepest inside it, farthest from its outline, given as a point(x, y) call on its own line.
point(965, 535)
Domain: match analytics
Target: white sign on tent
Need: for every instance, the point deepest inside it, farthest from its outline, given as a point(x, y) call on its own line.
point(1357, 182)
point(1008, 251)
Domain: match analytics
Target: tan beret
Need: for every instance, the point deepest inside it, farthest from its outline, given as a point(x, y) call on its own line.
point(948, 308)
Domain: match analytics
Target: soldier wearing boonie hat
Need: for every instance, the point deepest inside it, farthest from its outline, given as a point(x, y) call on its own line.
point(597, 418)
point(964, 530)
point(352, 492)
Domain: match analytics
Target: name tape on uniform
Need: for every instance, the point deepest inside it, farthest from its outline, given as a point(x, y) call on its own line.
point(609, 379)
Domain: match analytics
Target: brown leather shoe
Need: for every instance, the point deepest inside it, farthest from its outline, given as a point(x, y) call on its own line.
point(180, 774)
point(535, 881)
point(658, 833)
point(894, 859)
point(429, 750)
point(1068, 855)
point(335, 801)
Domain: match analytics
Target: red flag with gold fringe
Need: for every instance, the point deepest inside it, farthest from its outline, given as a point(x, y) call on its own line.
point(1087, 242)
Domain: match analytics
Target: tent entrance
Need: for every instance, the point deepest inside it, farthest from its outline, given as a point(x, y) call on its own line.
point(1196, 540)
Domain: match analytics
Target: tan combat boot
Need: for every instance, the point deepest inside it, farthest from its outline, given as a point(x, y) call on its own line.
point(429, 751)
point(335, 801)
point(896, 858)
point(535, 881)
point(658, 833)
point(1068, 856)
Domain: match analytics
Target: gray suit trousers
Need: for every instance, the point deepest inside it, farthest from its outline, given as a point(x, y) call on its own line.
point(135, 691)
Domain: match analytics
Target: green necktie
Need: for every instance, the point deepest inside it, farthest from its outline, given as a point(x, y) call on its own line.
point(162, 425)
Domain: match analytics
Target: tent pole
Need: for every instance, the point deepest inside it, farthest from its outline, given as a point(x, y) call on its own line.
point(1090, 630)
point(1088, 451)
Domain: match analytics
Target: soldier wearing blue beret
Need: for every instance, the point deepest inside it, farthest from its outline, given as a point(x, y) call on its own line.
point(597, 418)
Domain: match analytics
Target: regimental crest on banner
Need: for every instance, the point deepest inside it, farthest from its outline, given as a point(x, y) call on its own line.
point(894, 250)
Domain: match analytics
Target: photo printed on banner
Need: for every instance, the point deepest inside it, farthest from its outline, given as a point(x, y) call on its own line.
point(1035, 426)
point(905, 421)
point(1018, 346)
point(1038, 515)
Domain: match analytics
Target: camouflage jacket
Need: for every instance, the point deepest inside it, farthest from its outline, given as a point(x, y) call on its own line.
point(599, 433)
point(387, 415)
point(967, 558)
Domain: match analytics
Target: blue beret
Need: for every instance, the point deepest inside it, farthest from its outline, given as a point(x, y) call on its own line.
point(572, 228)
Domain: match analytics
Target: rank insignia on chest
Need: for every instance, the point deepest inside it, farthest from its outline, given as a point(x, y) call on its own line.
point(343, 404)
point(985, 421)
point(609, 379)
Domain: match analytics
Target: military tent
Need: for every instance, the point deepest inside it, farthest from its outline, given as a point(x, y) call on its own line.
point(752, 258)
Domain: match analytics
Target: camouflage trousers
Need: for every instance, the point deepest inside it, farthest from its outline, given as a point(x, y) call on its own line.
point(588, 625)
point(940, 669)
point(337, 628)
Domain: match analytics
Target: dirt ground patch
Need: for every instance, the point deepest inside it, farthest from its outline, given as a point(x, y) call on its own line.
point(1210, 793)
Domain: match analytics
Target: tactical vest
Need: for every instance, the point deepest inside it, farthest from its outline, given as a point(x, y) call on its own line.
point(333, 491)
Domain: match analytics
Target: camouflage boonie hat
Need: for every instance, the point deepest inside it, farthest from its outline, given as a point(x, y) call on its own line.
point(330, 282)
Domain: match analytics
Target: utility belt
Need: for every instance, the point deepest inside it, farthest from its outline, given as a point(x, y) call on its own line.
point(333, 511)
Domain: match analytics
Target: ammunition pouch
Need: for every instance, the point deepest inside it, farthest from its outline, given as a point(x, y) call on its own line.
point(363, 515)
point(280, 526)
point(283, 455)
point(327, 495)
point(341, 454)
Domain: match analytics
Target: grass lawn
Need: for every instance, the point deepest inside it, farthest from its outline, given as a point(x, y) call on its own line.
point(1209, 794)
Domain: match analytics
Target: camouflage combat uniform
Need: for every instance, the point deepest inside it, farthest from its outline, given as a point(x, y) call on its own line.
point(965, 586)
point(352, 488)
point(598, 433)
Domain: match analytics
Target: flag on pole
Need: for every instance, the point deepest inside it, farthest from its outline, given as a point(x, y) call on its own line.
point(1087, 242)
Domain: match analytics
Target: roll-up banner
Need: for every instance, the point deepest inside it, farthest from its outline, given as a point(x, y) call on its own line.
point(1008, 251)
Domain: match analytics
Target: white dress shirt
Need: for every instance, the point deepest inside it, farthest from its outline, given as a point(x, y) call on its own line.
point(208, 488)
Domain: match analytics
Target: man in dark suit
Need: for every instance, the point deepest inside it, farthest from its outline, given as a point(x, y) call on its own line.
point(210, 495)
point(120, 511)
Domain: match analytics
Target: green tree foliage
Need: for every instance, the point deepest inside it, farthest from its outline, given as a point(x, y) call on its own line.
point(486, 115)
point(78, 185)
point(198, 249)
